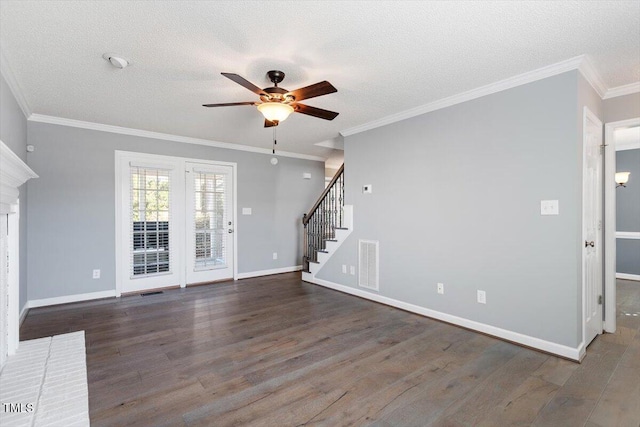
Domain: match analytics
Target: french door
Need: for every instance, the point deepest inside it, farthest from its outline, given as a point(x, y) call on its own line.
point(209, 222)
point(174, 220)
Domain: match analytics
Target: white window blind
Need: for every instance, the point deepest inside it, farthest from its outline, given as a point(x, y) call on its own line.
point(150, 221)
point(210, 220)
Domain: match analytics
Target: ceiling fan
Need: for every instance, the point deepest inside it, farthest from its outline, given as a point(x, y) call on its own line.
point(277, 103)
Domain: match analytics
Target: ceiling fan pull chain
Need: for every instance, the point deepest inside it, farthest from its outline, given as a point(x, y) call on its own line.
point(274, 140)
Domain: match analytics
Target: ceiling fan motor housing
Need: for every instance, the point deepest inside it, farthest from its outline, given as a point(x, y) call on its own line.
point(275, 76)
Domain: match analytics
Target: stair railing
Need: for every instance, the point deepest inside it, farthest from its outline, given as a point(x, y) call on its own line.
point(325, 216)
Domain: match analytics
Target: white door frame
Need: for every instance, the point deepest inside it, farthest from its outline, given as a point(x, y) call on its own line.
point(180, 164)
point(610, 221)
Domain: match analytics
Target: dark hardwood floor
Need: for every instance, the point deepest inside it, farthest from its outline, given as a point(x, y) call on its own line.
point(276, 351)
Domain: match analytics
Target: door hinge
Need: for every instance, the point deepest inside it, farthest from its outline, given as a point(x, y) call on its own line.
point(600, 299)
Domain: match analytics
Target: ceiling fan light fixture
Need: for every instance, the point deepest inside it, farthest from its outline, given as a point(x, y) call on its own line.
point(275, 111)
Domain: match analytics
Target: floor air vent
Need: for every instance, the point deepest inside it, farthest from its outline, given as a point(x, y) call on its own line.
point(368, 264)
point(146, 294)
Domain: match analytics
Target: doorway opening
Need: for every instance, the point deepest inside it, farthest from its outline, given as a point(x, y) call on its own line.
point(622, 140)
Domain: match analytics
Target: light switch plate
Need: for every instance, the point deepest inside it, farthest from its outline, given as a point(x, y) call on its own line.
point(306, 175)
point(549, 207)
point(246, 211)
point(96, 274)
point(482, 297)
point(352, 270)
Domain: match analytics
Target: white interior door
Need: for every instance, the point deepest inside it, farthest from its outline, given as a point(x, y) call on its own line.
point(209, 223)
point(592, 226)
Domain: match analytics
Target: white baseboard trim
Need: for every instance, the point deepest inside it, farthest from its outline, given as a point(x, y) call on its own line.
point(23, 313)
point(528, 341)
point(627, 276)
point(70, 298)
point(269, 272)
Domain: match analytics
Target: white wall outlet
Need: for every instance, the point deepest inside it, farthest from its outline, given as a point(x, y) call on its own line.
point(275, 255)
point(352, 270)
point(367, 189)
point(344, 268)
point(549, 207)
point(96, 274)
point(246, 211)
point(306, 175)
point(441, 288)
point(482, 297)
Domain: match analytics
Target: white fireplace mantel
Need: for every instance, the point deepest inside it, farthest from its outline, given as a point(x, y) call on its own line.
point(13, 173)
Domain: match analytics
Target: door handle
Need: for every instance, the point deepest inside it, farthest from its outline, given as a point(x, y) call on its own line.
point(587, 244)
point(230, 231)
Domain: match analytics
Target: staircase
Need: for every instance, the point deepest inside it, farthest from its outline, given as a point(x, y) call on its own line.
point(326, 226)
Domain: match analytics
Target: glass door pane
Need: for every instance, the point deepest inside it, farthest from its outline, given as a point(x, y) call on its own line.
point(150, 222)
point(210, 219)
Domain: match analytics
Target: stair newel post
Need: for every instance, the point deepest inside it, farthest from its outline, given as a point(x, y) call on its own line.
point(341, 202)
point(314, 239)
point(305, 244)
point(324, 223)
point(316, 226)
point(332, 217)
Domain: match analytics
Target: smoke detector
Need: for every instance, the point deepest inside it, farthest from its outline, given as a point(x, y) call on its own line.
point(116, 61)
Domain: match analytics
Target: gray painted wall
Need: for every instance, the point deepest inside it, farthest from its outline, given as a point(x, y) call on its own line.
point(456, 199)
point(628, 212)
point(72, 215)
point(622, 108)
point(13, 132)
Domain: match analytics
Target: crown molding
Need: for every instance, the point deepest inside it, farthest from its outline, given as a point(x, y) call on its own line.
point(14, 87)
point(580, 63)
point(590, 73)
point(629, 89)
point(40, 118)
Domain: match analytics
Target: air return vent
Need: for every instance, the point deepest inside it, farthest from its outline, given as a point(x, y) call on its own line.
point(368, 264)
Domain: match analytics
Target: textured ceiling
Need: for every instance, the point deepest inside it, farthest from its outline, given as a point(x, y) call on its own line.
point(384, 57)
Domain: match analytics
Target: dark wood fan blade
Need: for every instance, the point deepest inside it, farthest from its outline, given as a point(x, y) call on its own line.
point(269, 123)
point(318, 89)
point(229, 104)
point(315, 112)
point(244, 82)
